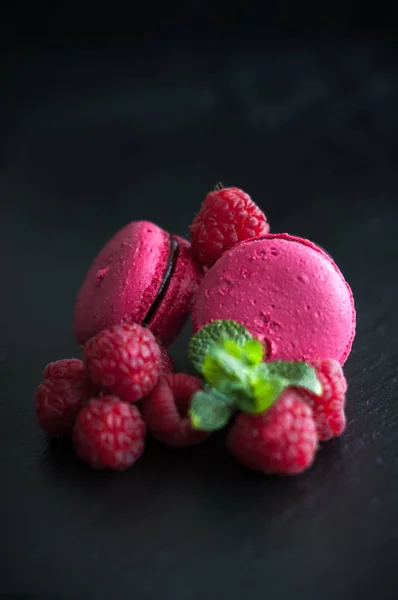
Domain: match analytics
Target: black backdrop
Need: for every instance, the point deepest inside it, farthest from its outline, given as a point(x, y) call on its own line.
point(42, 22)
point(106, 118)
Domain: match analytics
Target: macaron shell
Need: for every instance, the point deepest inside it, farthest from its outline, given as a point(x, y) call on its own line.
point(286, 291)
point(176, 304)
point(124, 279)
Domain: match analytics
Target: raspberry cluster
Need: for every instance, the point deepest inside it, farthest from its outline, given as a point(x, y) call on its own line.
point(126, 381)
point(97, 401)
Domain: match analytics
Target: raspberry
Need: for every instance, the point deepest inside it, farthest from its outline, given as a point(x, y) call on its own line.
point(67, 368)
point(227, 216)
point(124, 360)
point(58, 399)
point(165, 410)
point(328, 409)
point(109, 433)
point(166, 362)
point(281, 440)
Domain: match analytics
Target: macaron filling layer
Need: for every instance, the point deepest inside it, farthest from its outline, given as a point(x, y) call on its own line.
point(170, 266)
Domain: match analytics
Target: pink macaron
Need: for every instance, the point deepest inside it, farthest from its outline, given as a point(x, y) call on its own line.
point(142, 275)
point(287, 291)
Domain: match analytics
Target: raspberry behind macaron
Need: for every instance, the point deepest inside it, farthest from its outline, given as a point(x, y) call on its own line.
point(328, 409)
point(166, 362)
point(227, 216)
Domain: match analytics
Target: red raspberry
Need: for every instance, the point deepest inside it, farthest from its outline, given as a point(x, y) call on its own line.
point(281, 440)
point(109, 433)
point(328, 409)
point(227, 216)
point(67, 368)
point(165, 410)
point(58, 399)
point(166, 362)
point(124, 360)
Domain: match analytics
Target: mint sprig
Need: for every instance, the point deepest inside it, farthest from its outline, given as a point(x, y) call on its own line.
point(218, 331)
point(236, 376)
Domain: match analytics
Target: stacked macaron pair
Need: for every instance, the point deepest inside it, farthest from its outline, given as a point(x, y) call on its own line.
point(273, 321)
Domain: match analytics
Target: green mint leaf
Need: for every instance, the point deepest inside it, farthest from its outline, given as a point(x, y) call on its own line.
point(253, 352)
point(231, 348)
point(227, 360)
point(269, 380)
point(296, 374)
point(230, 368)
point(213, 372)
point(226, 374)
point(250, 353)
point(219, 363)
point(210, 410)
point(212, 333)
point(264, 391)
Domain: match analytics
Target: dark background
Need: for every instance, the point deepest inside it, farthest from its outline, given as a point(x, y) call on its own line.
point(107, 117)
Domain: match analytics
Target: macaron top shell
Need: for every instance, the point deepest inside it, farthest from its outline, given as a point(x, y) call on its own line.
point(123, 280)
point(286, 291)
